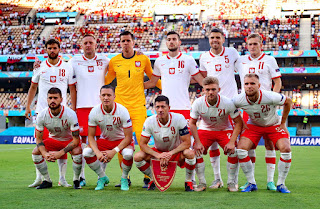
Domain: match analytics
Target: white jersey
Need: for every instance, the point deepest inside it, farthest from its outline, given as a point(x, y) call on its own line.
point(90, 75)
point(47, 76)
point(264, 111)
point(264, 66)
point(175, 73)
point(60, 126)
point(216, 117)
point(111, 124)
point(166, 137)
point(222, 66)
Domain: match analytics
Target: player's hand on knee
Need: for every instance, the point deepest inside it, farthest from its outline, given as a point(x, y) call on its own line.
point(229, 148)
point(101, 157)
point(198, 148)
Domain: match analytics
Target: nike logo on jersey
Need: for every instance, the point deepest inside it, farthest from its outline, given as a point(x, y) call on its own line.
point(118, 65)
point(244, 63)
point(100, 121)
point(156, 132)
point(162, 64)
point(208, 62)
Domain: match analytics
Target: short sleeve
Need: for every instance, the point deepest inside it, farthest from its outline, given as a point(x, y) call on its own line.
point(126, 121)
point(201, 61)
point(156, 69)
point(92, 120)
point(194, 113)
point(40, 122)
point(146, 131)
point(278, 99)
point(234, 112)
point(71, 75)
point(74, 125)
point(193, 67)
point(274, 68)
point(182, 122)
point(36, 75)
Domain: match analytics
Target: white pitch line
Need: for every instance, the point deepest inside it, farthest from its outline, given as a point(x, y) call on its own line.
point(14, 149)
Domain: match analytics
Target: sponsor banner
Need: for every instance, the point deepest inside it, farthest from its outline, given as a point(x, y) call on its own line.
point(17, 140)
point(300, 141)
point(163, 176)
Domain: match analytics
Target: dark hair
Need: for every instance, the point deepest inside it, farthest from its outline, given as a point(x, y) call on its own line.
point(55, 90)
point(108, 87)
point(125, 33)
point(217, 30)
point(52, 41)
point(162, 98)
point(173, 33)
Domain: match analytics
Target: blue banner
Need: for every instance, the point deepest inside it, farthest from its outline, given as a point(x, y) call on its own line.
point(49, 15)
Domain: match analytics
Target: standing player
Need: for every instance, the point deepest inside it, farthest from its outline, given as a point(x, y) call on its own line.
point(129, 69)
point(261, 106)
point(219, 62)
point(53, 72)
point(116, 127)
point(89, 69)
point(214, 111)
point(267, 69)
point(63, 127)
point(175, 70)
point(171, 139)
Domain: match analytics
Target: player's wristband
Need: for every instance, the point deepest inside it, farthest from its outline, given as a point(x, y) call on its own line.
point(117, 149)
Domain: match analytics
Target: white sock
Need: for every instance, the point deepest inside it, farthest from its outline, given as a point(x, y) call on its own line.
point(215, 160)
point(200, 169)
point(83, 146)
point(271, 164)
point(252, 155)
point(145, 168)
point(283, 167)
point(232, 167)
point(76, 165)
point(103, 166)
point(126, 163)
point(95, 166)
point(41, 165)
point(190, 166)
point(62, 163)
point(246, 165)
point(38, 175)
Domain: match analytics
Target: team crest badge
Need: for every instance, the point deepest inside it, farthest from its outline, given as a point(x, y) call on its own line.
point(53, 79)
point(257, 115)
point(109, 127)
point(163, 176)
point(90, 69)
point(213, 119)
point(252, 70)
point(138, 64)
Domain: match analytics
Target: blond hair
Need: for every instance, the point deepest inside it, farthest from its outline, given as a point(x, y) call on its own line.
point(210, 80)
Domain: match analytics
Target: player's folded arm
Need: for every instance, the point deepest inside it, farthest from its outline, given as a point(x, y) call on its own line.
point(127, 138)
point(185, 139)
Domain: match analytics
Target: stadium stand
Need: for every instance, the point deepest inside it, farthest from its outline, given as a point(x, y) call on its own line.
point(14, 12)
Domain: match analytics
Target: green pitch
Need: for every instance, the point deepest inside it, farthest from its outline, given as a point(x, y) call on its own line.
point(17, 172)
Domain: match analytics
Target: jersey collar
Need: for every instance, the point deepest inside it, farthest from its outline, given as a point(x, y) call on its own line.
point(59, 115)
point(87, 59)
point(259, 58)
point(216, 105)
point(258, 100)
point(220, 54)
point(56, 65)
point(176, 57)
point(168, 123)
point(112, 111)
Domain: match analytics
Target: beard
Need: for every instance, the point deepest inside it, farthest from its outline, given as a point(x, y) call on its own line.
point(53, 57)
point(173, 49)
point(54, 108)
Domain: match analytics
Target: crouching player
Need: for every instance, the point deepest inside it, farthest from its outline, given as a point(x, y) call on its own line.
point(215, 110)
point(63, 127)
point(264, 121)
point(116, 136)
point(171, 139)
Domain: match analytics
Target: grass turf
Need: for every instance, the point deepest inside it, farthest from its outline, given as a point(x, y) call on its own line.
point(17, 172)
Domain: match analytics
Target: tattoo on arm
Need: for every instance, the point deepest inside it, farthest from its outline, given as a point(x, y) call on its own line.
point(40, 144)
point(69, 147)
point(75, 133)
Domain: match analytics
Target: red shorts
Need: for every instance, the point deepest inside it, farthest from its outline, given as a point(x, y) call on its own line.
point(175, 157)
point(104, 144)
point(83, 117)
point(55, 145)
point(254, 133)
point(185, 113)
point(45, 133)
point(208, 137)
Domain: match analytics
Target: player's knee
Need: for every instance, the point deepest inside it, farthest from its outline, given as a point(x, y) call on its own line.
point(77, 158)
point(138, 156)
point(269, 145)
point(285, 149)
point(36, 151)
point(88, 152)
point(127, 154)
point(241, 153)
point(77, 151)
point(252, 153)
point(214, 146)
point(37, 158)
point(188, 153)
